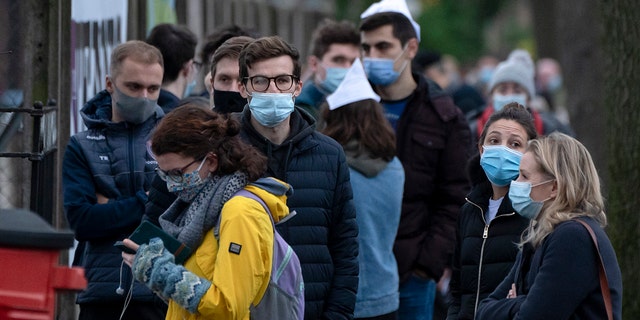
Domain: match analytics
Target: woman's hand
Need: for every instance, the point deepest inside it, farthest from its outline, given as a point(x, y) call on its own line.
point(512, 293)
point(129, 257)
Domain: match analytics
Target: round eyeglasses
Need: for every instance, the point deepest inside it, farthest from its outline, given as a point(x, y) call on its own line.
point(177, 175)
point(261, 83)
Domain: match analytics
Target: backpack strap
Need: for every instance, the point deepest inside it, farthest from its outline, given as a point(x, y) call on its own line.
point(604, 282)
point(246, 194)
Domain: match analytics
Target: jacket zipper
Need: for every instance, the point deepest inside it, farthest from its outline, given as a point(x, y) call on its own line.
point(485, 235)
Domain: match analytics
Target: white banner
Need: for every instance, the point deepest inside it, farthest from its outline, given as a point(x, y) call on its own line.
point(97, 26)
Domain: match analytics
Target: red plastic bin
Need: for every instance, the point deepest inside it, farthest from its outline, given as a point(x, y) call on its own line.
point(29, 269)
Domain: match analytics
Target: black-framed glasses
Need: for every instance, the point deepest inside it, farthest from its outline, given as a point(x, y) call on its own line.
point(261, 83)
point(177, 175)
point(197, 64)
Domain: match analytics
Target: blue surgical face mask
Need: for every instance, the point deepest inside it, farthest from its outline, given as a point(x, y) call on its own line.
point(270, 109)
point(189, 89)
point(485, 74)
point(554, 83)
point(333, 79)
point(520, 196)
point(501, 100)
point(133, 109)
point(380, 71)
point(500, 164)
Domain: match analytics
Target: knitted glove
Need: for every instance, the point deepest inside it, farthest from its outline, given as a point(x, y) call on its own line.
point(154, 266)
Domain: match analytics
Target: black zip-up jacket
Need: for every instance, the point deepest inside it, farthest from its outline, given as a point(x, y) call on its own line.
point(484, 252)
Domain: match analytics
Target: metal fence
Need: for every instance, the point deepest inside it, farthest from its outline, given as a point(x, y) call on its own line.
point(30, 169)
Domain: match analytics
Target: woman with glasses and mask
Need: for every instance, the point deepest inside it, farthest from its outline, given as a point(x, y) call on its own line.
point(205, 163)
point(560, 273)
point(488, 226)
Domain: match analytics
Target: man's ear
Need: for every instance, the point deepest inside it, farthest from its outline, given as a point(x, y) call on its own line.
point(412, 48)
point(187, 68)
point(312, 62)
point(242, 89)
point(110, 84)
point(298, 88)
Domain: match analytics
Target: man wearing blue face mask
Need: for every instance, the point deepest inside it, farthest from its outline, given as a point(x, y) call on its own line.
point(433, 144)
point(324, 232)
point(513, 81)
point(178, 46)
point(106, 173)
point(334, 47)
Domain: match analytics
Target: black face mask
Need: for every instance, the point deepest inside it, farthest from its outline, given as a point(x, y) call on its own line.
point(228, 101)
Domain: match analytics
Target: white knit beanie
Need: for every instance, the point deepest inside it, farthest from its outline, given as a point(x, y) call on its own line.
point(517, 68)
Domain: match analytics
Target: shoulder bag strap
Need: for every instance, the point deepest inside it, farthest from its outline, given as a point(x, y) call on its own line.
point(604, 283)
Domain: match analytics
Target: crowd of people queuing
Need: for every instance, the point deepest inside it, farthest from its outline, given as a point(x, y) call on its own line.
point(406, 189)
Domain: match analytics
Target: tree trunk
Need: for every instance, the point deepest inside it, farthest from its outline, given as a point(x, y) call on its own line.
point(545, 30)
point(621, 45)
point(579, 32)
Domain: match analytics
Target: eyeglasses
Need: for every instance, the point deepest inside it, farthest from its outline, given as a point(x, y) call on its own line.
point(197, 64)
point(261, 83)
point(177, 175)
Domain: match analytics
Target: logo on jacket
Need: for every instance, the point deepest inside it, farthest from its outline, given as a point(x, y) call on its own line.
point(235, 248)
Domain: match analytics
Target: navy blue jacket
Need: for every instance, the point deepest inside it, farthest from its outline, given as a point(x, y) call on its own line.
point(559, 279)
point(324, 232)
point(167, 101)
point(110, 159)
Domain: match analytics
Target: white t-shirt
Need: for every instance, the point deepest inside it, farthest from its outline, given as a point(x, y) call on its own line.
point(493, 209)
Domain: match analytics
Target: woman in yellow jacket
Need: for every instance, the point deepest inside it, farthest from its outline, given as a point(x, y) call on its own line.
point(203, 160)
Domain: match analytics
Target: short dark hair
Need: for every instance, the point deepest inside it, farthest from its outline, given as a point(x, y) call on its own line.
point(402, 28)
point(266, 48)
point(177, 44)
point(229, 49)
point(329, 32)
point(215, 39)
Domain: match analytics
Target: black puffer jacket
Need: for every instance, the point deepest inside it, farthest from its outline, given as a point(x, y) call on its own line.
point(484, 253)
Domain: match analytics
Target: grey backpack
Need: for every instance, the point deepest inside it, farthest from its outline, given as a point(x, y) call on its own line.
point(284, 297)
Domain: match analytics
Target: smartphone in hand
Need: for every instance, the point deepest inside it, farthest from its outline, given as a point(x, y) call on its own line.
point(120, 245)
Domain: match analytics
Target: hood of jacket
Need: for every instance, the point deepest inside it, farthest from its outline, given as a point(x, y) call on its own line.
point(97, 112)
point(302, 125)
point(274, 193)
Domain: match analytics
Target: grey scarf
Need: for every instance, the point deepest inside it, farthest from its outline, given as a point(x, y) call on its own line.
point(190, 225)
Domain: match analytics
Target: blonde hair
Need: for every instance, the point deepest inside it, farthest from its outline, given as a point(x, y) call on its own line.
point(569, 163)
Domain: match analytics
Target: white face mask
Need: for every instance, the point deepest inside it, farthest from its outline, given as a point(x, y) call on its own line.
point(501, 100)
